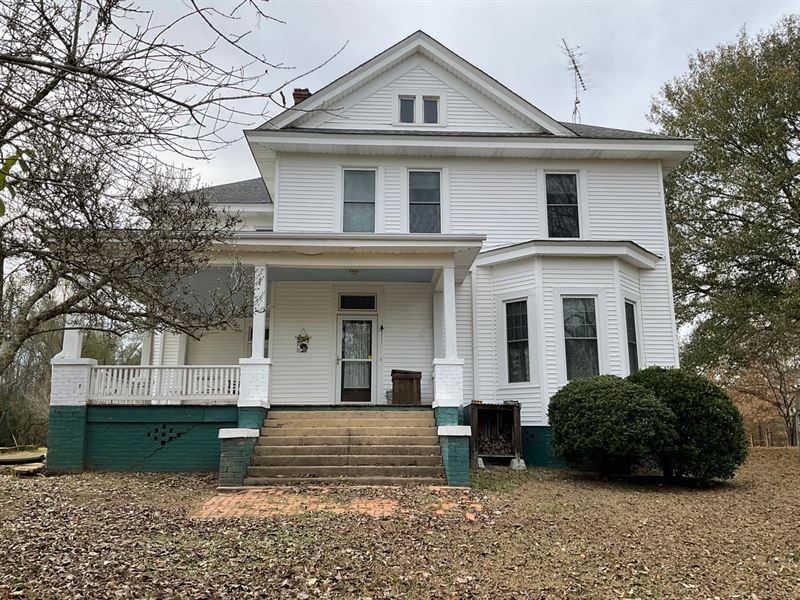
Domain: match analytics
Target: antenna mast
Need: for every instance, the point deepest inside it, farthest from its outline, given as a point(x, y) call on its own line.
point(573, 58)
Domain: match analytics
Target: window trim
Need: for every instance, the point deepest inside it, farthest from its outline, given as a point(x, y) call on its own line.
point(438, 101)
point(527, 340)
point(602, 299)
point(419, 107)
point(346, 168)
point(580, 202)
point(444, 214)
point(348, 311)
point(637, 321)
point(413, 99)
point(534, 346)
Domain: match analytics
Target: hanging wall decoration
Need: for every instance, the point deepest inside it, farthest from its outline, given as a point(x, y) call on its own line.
point(302, 341)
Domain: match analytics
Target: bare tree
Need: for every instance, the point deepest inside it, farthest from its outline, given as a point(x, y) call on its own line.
point(772, 380)
point(98, 98)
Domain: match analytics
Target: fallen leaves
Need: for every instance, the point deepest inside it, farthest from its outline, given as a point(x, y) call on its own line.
point(540, 534)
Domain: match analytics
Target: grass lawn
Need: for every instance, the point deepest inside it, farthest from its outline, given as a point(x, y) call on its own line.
point(540, 534)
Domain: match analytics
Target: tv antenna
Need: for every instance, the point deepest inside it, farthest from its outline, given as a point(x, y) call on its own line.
point(574, 59)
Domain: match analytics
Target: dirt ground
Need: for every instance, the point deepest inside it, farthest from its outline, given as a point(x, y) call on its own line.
point(541, 534)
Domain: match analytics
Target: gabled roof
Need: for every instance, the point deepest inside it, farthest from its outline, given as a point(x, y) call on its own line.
point(249, 191)
point(609, 133)
point(419, 42)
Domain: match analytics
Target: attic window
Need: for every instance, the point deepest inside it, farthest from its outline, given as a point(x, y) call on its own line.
point(407, 109)
point(430, 109)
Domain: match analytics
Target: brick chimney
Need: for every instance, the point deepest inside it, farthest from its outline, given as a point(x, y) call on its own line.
point(300, 94)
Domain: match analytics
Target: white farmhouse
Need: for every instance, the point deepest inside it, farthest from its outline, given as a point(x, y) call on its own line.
point(413, 215)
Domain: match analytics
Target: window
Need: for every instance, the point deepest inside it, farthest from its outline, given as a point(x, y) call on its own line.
point(359, 201)
point(580, 338)
point(407, 109)
point(517, 341)
point(430, 109)
point(360, 302)
point(562, 205)
point(424, 202)
point(633, 345)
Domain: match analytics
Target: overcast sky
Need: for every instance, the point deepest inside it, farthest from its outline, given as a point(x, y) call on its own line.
point(630, 48)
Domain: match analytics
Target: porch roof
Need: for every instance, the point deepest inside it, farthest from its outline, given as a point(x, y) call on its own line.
point(353, 250)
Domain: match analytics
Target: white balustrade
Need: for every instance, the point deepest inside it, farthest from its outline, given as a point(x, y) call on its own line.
point(133, 384)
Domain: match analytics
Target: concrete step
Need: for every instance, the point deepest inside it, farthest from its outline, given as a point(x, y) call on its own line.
point(345, 471)
point(346, 431)
point(337, 421)
point(400, 481)
point(361, 460)
point(348, 440)
point(387, 414)
point(314, 450)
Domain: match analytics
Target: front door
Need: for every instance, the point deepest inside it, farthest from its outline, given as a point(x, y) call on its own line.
point(355, 359)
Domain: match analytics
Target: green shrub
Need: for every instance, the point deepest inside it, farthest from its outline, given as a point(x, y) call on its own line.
point(711, 440)
point(609, 425)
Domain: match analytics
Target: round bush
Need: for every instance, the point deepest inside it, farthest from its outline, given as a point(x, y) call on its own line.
point(711, 439)
point(609, 425)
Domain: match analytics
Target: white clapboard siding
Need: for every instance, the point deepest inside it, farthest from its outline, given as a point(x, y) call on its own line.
point(485, 334)
point(303, 378)
point(625, 202)
point(306, 195)
point(393, 200)
point(406, 341)
point(170, 344)
point(495, 200)
point(464, 333)
point(462, 108)
point(518, 279)
point(217, 348)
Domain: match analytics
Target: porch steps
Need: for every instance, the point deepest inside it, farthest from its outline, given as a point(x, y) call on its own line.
point(363, 447)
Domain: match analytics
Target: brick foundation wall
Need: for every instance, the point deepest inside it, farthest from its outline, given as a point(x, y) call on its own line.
point(156, 438)
point(455, 456)
point(66, 438)
point(448, 415)
point(251, 417)
point(234, 459)
point(536, 448)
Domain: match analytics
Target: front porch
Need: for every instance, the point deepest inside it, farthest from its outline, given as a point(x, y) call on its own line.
point(327, 328)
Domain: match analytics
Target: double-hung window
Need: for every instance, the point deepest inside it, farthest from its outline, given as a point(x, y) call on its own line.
point(633, 342)
point(424, 202)
point(430, 109)
point(562, 205)
point(358, 212)
point(517, 341)
point(580, 338)
point(407, 108)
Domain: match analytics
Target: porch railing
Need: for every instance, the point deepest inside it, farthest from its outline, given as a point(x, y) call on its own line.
point(124, 384)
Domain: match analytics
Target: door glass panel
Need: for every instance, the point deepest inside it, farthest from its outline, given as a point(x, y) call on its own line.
point(356, 361)
point(356, 339)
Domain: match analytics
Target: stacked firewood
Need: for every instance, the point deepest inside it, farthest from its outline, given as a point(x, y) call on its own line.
point(499, 445)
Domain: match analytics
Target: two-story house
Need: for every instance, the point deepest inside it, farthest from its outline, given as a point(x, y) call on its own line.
point(415, 214)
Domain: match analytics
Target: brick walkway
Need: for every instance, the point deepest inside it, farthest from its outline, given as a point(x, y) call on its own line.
point(276, 502)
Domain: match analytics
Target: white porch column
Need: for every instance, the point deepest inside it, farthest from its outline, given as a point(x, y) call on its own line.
point(448, 372)
point(254, 371)
point(147, 348)
point(259, 311)
point(72, 343)
point(449, 301)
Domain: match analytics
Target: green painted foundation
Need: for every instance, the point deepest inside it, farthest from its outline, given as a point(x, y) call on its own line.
point(251, 417)
point(155, 438)
point(536, 449)
point(448, 415)
point(455, 449)
point(66, 438)
point(455, 456)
